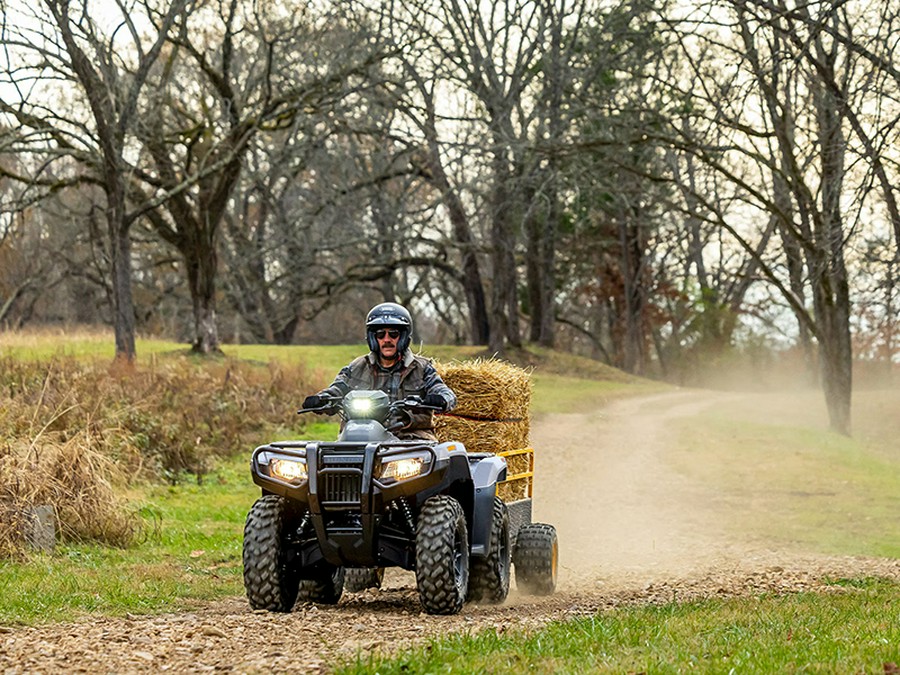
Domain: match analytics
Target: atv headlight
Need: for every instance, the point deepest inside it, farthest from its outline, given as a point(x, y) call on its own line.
point(406, 467)
point(291, 470)
point(361, 406)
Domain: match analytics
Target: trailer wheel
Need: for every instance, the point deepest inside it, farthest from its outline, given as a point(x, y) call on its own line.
point(536, 559)
point(324, 587)
point(489, 576)
point(358, 579)
point(267, 580)
point(442, 555)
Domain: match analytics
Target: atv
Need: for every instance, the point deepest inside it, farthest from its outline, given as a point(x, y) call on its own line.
point(336, 512)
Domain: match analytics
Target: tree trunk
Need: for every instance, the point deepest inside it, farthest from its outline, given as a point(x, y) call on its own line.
point(632, 253)
point(544, 230)
point(120, 258)
point(479, 325)
point(831, 274)
point(540, 263)
point(835, 358)
point(201, 270)
point(504, 316)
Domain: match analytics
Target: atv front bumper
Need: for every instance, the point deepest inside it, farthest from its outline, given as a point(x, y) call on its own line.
point(349, 488)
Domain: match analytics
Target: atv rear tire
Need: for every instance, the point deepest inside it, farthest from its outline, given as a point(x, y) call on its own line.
point(268, 582)
point(325, 587)
point(489, 576)
point(442, 555)
point(536, 559)
point(358, 579)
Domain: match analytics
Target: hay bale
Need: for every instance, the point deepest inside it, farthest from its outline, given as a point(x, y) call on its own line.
point(493, 405)
point(488, 389)
point(517, 464)
point(482, 435)
point(492, 415)
point(514, 490)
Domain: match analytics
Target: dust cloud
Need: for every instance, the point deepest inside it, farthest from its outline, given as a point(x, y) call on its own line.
point(623, 516)
point(627, 518)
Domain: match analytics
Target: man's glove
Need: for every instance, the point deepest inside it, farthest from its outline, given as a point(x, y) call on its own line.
point(435, 401)
point(314, 401)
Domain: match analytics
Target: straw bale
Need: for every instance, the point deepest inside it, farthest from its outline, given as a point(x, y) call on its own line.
point(511, 491)
point(516, 464)
point(488, 389)
point(482, 436)
point(492, 414)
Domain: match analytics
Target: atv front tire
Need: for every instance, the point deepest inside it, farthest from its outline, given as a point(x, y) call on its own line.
point(357, 579)
point(489, 576)
point(536, 559)
point(325, 587)
point(442, 555)
point(268, 582)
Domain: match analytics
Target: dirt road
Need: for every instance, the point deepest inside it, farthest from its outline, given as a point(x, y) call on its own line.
point(631, 530)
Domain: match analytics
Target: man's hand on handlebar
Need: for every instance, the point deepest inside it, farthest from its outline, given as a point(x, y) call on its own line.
point(434, 401)
point(314, 401)
point(319, 403)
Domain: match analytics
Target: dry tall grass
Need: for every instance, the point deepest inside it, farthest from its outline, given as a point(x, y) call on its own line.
point(70, 430)
point(75, 480)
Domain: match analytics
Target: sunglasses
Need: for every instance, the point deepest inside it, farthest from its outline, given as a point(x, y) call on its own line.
point(394, 334)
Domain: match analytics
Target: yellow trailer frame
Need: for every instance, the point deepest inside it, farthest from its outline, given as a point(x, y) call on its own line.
point(519, 482)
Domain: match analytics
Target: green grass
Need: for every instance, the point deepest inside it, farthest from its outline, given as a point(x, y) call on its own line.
point(555, 393)
point(191, 550)
point(801, 485)
point(853, 631)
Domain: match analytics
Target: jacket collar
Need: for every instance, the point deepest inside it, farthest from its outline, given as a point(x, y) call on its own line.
point(407, 359)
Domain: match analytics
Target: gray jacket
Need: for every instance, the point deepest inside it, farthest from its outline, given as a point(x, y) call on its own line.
point(411, 376)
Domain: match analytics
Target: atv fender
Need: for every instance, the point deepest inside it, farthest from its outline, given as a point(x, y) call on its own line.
point(485, 475)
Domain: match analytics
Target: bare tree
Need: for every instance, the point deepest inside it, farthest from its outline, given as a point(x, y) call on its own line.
point(61, 42)
point(793, 163)
point(259, 73)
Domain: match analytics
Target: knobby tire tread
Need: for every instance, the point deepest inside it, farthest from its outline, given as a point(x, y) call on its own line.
point(269, 585)
point(534, 558)
point(441, 522)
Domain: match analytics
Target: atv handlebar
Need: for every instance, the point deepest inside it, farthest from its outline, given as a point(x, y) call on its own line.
point(332, 405)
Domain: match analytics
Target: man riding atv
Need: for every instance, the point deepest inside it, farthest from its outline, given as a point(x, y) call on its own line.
point(334, 514)
point(391, 367)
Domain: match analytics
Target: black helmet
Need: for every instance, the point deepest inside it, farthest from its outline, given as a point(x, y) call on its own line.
point(389, 314)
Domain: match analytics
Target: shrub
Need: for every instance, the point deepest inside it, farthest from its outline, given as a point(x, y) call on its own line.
point(75, 480)
point(69, 430)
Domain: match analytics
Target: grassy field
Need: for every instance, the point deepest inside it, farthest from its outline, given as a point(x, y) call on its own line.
point(190, 550)
point(848, 631)
point(190, 547)
point(802, 485)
